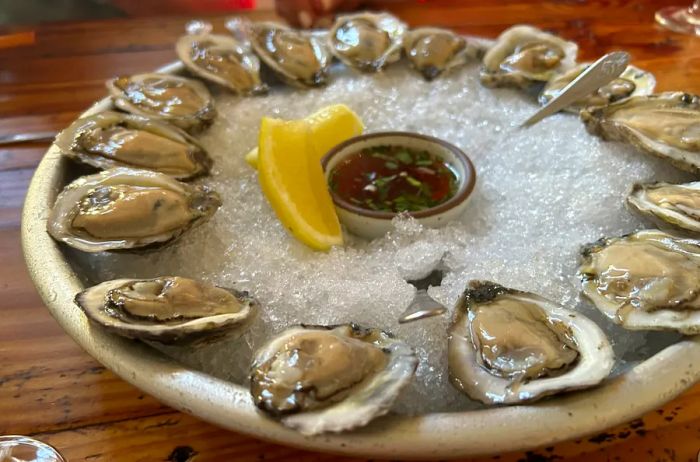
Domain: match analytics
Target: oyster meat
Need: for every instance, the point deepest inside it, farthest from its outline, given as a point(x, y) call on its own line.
point(367, 41)
point(507, 346)
point(299, 58)
point(328, 379)
point(432, 51)
point(674, 204)
point(168, 309)
point(180, 101)
point(222, 60)
point(125, 208)
point(632, 82)
point(523, 55)
point(649, 280)
point(666, 125)
point(114, 139)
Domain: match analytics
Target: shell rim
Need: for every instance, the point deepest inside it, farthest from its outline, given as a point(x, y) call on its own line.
point(181, 330)
point(460, 336)
point(671, 218)
point(380, 62)
point(92, 245)
point(662, 319)
point(66, 140)
point(229, 405)
point(396, 375)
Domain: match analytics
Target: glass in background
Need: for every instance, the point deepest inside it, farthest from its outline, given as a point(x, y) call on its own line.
point(685, 20)
point(15, 448)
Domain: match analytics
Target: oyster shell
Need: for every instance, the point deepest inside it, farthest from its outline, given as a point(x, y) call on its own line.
point(328, 379)
point(433, 51)
point(180, 101)
point(666, 125)
point(523, 55)
point(222, 60)
point(299, 58)
point(168, 309)
point(632, 82)
point(649, 280)
point(367, 41)
point(125, 208)
point(114, 139)
point(507, 346)
point(674, 204)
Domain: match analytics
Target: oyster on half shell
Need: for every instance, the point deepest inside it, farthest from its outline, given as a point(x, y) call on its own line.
point(506, 346)
point(674, 204)
point(114, 139)
point(168, 309)
point(223, 60)
point(433, 51)
point(328, 379)
point(649, 280)
point(632, 82)
point(299, 58)
point(523, 55)
point(125, 208)
point(367, 41)
point(180, 101)
point(666, 125)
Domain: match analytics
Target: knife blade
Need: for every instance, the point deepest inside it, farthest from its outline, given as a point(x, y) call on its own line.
point(600, 73)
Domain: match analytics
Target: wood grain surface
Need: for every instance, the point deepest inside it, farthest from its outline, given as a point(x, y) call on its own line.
point(50, 389)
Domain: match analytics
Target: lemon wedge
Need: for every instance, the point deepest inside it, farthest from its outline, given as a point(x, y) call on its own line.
point(292, 179)
point(329, 126)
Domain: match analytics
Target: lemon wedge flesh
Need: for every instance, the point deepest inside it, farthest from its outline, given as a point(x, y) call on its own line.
point(292, 179)
point(329, 126)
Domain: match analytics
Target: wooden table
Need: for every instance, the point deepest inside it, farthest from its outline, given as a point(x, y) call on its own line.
point(51, 389)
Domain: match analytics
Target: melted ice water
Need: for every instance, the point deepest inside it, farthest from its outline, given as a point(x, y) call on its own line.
point(541, 194)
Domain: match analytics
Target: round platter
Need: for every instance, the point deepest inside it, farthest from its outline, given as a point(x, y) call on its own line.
point(59, 275)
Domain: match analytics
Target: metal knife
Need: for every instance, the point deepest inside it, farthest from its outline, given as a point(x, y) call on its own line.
point(598, 74)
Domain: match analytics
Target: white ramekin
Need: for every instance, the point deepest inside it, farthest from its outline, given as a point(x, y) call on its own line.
point(371, 224)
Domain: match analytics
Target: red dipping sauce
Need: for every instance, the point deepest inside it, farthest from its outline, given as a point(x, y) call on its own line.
point(393, 179)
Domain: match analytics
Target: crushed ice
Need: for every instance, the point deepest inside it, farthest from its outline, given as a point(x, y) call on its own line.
point(541, 194)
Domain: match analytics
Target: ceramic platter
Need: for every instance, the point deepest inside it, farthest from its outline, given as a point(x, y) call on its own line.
point(641, 385)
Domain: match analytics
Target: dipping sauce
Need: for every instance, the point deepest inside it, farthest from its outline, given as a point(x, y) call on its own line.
point(393, 179)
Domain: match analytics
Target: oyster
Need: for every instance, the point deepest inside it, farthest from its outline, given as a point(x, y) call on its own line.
point(649, 280)
point(523, 55)
point(507, 346)
point(167, 309)
point(675, 204)
point(299, 58)
point(632, 82)
point(180, 101)
point(125, 208)
point(328, 379)
point(432, 51)
point(367, 41)
point(114, 139)
point(666, 125)
point(222, 60)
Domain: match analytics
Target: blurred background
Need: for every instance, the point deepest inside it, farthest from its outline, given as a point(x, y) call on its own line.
point(26, 12)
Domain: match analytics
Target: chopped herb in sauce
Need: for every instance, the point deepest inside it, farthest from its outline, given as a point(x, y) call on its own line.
point(393, 179)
